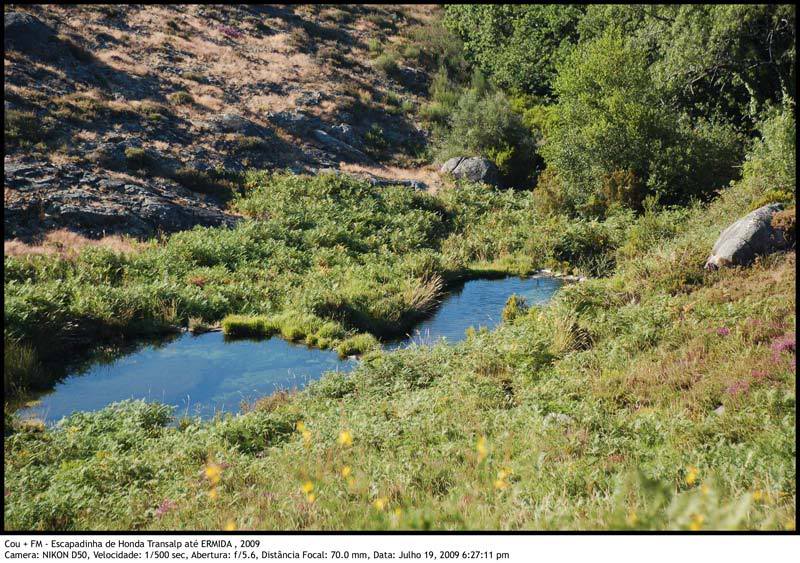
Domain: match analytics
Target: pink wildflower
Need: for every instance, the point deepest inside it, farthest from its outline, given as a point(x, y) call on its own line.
point(165, 507)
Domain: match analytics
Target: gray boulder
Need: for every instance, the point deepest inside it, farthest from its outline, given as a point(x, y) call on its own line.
point(473, 169)
point(752, 235)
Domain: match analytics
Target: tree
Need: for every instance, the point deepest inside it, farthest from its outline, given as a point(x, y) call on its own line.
point(616, 141)
point(712, 61)
point(517, 46)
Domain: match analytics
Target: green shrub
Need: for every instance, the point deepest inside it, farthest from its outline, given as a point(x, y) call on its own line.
point(357, 344)
point(387, 63)
point(374, 45)
point(515, 306)
point(485, 124)
point(139, 159)
point(213, 183)
point(249, 326)
point(437, 49)
point(614, 142)
point(244, 143)
point(332, 385)
point(375, 140)
point(23, 128)
point(258, 431)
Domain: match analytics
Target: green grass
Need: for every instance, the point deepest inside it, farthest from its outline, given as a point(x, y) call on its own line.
point(600, 410)
point(24, 129)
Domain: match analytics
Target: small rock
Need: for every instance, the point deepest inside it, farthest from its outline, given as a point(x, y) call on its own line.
point(345, 132)
point(309, 99)
point(335, 144)
point(720, 410)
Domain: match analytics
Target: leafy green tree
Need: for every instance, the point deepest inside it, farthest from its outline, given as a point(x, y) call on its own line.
point(517, 46)
point(616, 141)
point(714, 61)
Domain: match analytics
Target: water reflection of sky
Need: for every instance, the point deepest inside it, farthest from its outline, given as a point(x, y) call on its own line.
point(204, 374)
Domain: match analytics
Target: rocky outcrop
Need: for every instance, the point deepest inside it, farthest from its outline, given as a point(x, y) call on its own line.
point(752, 235)
point(41, 198)
point(334, 144)
point(472, 169)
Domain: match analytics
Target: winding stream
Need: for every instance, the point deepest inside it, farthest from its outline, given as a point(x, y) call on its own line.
point(205, 374)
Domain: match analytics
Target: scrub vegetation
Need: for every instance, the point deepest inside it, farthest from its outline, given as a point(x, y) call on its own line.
point(655, 395)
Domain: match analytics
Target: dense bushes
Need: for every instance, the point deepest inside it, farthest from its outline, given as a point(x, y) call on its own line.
point(484, 123)
point(627, 102)
point(517, 45)
point(718, 62)
point(614, 142)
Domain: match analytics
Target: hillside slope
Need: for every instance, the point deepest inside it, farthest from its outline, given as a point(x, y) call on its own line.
point(135, 120)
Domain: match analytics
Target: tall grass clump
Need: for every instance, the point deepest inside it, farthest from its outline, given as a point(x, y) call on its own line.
point(21, 368)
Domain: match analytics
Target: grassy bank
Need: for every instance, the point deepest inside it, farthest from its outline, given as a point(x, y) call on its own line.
point(328, 260)
point(660, 396)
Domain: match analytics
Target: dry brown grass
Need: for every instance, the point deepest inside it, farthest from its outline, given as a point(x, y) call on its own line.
point(270, 402)
point(68, 244)
point(427, 174)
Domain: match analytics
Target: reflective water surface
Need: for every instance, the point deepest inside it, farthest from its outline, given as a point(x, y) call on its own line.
point(205, 374)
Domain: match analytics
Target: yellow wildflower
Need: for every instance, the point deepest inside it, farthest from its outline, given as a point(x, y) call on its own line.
point(480, 446)
point(633, 518)
point(307, 487)
point(300, 426)
point(380, 503)
point(306, 437)
point(213, 493)
point(697, 522)
point(691, 475)
point(230, 526)
point(346, 471)
point(345, 438)
point(213, 472)
point(758, 495)
point(502, 475)
point(311, 497)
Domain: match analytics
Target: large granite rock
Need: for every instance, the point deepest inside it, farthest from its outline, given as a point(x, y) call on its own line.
point(752, 235)
point(473, 169)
